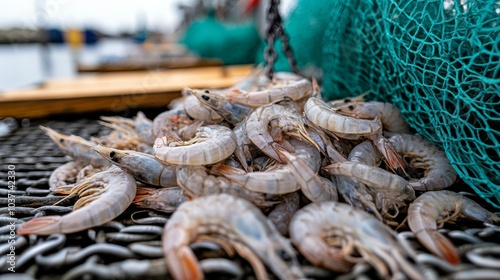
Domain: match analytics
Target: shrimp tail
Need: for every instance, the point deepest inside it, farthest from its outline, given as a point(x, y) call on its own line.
point(41, 226)
point(439, 245)
point(141, 194)
point(186, 265)
point(391, 155)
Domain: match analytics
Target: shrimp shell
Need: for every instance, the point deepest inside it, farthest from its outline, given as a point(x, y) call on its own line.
point(318, 112)
point(244, 224)
point(118, 191)
point(211, 144)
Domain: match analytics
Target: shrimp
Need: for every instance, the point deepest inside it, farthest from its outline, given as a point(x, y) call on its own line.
point(162, 199)
point(389, 115)
point(318, 228)
point(432, 209)
point(197, 111)
point(258, 121)
point(244, 224)
point(169, 122)
point(374, 177)
point(232, 112)
point(279, 180)
point(145, 168)
point(284, 86)
point(438, 172)
point(211, 144)
point(318, 112)
point(282, 213)
point(76, 147)
point(196, 182)
point(313, 186)
point(142, 126)
point(103, 197)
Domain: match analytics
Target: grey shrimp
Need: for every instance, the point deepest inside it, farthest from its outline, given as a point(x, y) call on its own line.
point(160, 199)
point(145, 168)
point(103, 197)
point(352, 229)
point(211, 144)
point(434, 208)
point(244, 224)
point(438, 172)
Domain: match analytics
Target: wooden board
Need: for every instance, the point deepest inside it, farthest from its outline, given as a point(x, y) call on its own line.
point(114, 92)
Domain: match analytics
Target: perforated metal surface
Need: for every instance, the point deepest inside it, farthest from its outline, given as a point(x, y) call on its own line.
point(129, 247)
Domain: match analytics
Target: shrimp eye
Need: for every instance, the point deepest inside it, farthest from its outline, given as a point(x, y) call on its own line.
point(351, 107)
point(283, 255)
point(205, 97)
point(112, 154)
point(61, 140)
point(207, 91)
point(249, 161)
point(347, 100)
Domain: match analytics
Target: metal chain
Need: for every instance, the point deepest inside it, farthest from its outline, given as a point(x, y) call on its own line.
point(275, 29)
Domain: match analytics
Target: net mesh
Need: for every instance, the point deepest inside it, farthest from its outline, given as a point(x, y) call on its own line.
point(437, 61)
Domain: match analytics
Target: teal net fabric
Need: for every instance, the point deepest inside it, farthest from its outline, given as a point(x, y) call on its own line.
point(437, 61)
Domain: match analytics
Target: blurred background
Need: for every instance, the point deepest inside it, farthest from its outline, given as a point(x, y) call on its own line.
point(42, 39)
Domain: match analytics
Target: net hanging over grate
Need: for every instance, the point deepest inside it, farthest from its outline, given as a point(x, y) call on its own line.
point(437, 61)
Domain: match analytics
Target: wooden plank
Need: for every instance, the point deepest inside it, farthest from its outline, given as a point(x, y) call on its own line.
point(113, 93)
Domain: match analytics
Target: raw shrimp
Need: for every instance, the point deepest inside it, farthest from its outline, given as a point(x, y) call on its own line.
point(438, 172)
point(232, 218)
point(284, 86)
point(197, 182)
point(432, 209)
point(259, 120)
point(141, 126)
point(232, 112)
point(243, 144)
point(145, 168)
point(161, 199)
point(197, 111)
point(211, 144)
point(76, 147)
point(318, 228)
point(103, 197)
point(389, 115)
point(374, 177)
point(313, 186)
point(319, 112)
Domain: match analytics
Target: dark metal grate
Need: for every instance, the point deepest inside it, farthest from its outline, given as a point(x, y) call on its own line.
point(129, 247)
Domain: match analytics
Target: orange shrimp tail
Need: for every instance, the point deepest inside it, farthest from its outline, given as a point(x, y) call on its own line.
point(224, 169)
point(439, 245)
point(183, 264)
point(41, 226)
point(392, 157)
point(141, 194)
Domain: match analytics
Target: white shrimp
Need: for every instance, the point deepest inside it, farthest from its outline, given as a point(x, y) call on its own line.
point(197, 111)
point(318, 228)
point(211, 144)
point(438, 172)
point(103, 197)
point(231, 218)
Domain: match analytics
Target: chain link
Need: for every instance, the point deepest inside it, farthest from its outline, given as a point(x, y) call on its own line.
point(275, 29)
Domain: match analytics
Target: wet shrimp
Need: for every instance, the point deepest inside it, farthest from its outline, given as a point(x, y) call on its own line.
point(319, 229)
point(76, 147)
point(432, 209)
point(103, 197)
point(374, 177)
point(285, 85)
point(197, 181)
point(211, 144)
point(232, 112)
point(389, 115)
point(145, 168)
point(438, 172)
point(257, 127)
point(244, 224)
point(160, 199)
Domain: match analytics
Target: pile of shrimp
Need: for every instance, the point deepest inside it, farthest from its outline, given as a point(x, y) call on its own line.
point(269, 170)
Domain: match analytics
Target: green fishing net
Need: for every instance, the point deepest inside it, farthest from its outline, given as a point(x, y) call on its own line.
point(437, 61)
